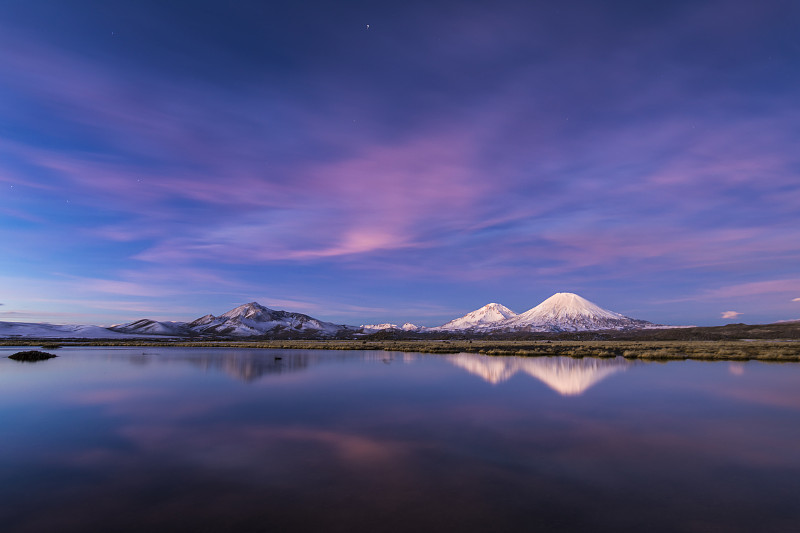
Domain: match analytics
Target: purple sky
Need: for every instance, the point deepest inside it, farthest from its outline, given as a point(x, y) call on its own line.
point(365, 162)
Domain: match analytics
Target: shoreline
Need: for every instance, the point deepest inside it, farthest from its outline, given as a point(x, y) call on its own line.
point(776, 350)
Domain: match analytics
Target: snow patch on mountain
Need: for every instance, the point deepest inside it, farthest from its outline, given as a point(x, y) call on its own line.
point(253, 319)
point(57, 331)
point(408, 326)
point(153, 327)
point(378, 327)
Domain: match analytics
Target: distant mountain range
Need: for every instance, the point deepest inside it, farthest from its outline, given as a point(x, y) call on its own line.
point(562, 312)
point(408, 326)
point(56, 331)
point(248, 320)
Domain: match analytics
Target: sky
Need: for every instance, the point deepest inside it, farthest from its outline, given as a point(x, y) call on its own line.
point(367, 162)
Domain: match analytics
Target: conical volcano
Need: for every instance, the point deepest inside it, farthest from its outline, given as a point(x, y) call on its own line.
point(566, 311)
point(487, 316)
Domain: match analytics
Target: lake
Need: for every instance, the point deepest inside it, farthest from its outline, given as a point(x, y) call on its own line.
point(212, 439)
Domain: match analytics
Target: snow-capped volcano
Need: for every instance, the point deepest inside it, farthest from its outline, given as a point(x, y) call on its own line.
point(565, 311)
point(487, 316)
point(253, 319)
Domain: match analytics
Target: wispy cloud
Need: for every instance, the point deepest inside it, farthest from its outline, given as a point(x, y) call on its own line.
point(49, 316)
point(730, 314)
point(419, 190)
point(745, 290)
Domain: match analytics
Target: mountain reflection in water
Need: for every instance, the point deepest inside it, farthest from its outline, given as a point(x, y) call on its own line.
point(251, 365)
point(565, 375)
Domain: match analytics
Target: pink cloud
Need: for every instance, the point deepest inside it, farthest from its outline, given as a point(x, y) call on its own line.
point(383, 198)
point(730, 314)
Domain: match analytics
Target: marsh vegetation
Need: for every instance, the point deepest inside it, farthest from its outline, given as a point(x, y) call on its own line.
point(742, 350)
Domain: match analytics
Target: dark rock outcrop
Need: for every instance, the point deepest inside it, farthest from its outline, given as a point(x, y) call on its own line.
point(31, 356)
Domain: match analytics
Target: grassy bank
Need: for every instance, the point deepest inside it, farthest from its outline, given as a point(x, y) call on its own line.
point(646, 350)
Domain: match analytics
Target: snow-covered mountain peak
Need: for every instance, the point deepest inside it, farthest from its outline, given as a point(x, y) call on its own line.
point(487, 315)
point(496, 308)
point(252, 311)
point(253, 319)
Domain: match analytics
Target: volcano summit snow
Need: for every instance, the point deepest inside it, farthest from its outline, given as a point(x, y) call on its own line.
point(565, 311)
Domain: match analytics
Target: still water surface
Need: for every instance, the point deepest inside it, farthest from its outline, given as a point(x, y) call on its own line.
point(170, 439)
